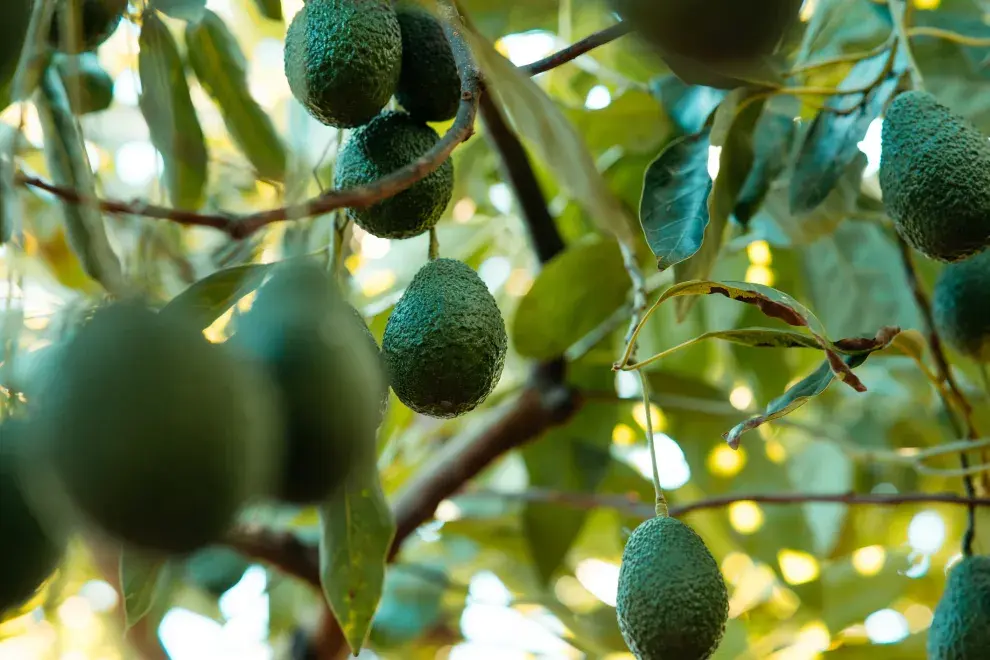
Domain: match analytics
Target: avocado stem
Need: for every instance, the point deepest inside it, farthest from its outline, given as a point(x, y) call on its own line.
point(661, 501)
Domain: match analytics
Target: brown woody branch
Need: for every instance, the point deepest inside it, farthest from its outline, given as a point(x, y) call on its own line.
point(578, 48)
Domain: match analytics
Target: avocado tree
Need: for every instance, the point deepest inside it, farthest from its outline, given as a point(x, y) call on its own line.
point(475, 329)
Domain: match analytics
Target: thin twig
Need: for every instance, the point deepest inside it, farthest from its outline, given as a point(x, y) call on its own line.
point(842, 59)
point(577, 49)
point(948, 35)
point(900, 11)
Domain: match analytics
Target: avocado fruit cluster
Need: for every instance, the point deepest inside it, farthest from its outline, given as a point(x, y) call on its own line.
point(711, 31)
point(672, 601)
point(960, 628)
point(99, 19)
point(344, 61)
point(961, 306)
point(390, 141)
point(935, 177)
point(445, 342)
point(13, 30)
point(29, 553)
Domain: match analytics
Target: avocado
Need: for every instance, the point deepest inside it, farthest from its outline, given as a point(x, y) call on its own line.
point(711, 31)
point(961, 305)
point(445, 341)
point(89, 86)
point(935, 177)
point(429, 85)
point(390, 141)
point(343, 58)
point(28, 553)
point(156, 436)
point(960, 628)
point(330, 377)
point(100, 19)
point(13, 31)
point(216, 569)
point(672, 601)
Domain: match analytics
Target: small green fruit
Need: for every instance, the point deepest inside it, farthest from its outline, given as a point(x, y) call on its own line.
point(935, 177)
point(13, 30)
point(672, 601)
point(89, 86)
point(155, 435)
point(960, 629)
point(961, 305)
point(391, 141)
point(445, 341)
point(100, 19)
point(320, 354)
point(343, 58)
point(28, 555)
point(429, 86)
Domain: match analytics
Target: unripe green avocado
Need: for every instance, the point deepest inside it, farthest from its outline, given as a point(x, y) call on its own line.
point(960, 629)
point(711, 31)
point(672, 602)
point(961, 305)
point(391, 141)
point(89, 86)
point(28, 554)
point(99, 20)
point(935, 177)
point(429, 86)
point(328, 370)
point(343, 58)
point(13, 30)
point(445, 341)
point(155, 435)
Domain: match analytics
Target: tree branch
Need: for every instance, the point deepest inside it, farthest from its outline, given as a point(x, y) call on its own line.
point(578, 48)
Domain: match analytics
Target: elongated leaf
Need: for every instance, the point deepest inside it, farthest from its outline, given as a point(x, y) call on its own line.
point(772, 141)
point(830, 145)
point(688, 105)
point(185, 10)
point(207, 300)
point(270, 9)
point(795, 397)
point(739, 114)
point(219, 64)
point(140, 580)
point(169, 112)
point(557, 310)
point(358, 528)
point(674, 207)
point(553, 138)
point(68, 164)
point(774, 304)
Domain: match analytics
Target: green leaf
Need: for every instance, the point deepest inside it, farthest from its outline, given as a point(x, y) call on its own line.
point(68, 165)
point(689, 106)
point(772, 142)
point(207, 300)
point(185, 10)
point(563, 460)
point(89, 86)
point(538, 119)
point(822, 467)
point(270, 9)
point(557, 310)
point(219, 64)
point(830, 145)
point(795, 397)
point(358, 528)
point(733, 127)
point(141, 579)
point(674, 208)
point(759, 72)
point(171, 117)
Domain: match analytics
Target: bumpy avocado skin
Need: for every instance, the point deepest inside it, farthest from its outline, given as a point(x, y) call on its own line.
point(343, 59)
point(672, 601)
point(329, 375)
point(13, 30)
point(28, 555)
point(429, 87)
point(961, 305)
point(99, 20)
point(711, 30)
point(935, 177)
point(157, 436)
point(390, 141)
point(445, 341)
point(960, 629)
